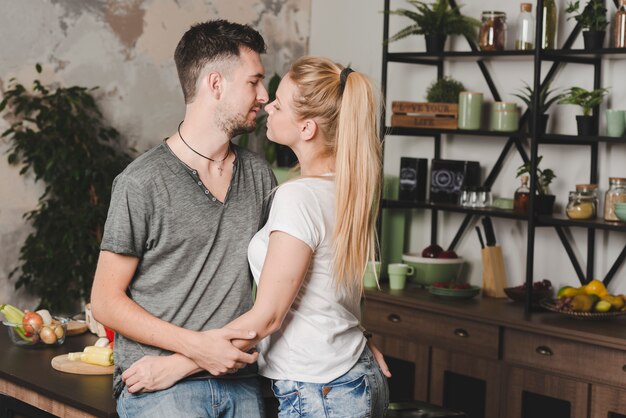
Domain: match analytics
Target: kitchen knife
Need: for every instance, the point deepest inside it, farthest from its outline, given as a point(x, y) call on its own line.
point(480, 237)
point(490, 235)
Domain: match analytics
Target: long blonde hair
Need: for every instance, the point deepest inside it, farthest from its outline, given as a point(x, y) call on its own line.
point(346, 115)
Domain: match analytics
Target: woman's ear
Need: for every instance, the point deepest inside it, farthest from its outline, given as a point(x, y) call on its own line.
point(308, 129)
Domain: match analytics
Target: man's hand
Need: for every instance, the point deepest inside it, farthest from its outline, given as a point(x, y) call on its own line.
point(152, 373)
point(213, 350)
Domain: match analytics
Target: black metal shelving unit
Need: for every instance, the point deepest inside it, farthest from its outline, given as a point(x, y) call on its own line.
point(526, 144)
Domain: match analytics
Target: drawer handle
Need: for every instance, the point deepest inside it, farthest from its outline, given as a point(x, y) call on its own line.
point(544, 350)
point(460, 332)
point(393, 318)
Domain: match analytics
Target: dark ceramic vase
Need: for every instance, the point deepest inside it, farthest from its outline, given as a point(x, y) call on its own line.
point(543, 124)
point(593, 39)
point(586, 125)
point(435, 43)
point(544, 204)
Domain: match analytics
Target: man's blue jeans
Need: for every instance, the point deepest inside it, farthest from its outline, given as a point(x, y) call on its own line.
point(209, 398)
point(361, 392)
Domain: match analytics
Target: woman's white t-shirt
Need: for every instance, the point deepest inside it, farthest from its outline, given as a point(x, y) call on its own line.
point(320, 338)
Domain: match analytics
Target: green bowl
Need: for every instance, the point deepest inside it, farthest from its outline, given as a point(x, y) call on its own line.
point(620, 212)
point(431, 270)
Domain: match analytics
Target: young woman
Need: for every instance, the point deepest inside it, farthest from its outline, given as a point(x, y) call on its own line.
point(309, 258)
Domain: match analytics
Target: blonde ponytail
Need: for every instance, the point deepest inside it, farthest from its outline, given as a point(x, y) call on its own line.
point(347, 116)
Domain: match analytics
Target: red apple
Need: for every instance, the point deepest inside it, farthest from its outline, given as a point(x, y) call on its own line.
point(448, 254)
point(432, 251)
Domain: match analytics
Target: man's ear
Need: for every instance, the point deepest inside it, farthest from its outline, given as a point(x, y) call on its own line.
point(308, 129)
point(215, 84)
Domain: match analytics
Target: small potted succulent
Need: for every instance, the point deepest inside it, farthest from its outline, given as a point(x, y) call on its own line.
point(435, 21)
point(593, 19)
point(587, 100)
point(444, 90)
point(547, 98)
point(544, 198)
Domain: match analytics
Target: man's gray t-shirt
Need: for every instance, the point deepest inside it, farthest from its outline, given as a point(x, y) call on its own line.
point(193, 269)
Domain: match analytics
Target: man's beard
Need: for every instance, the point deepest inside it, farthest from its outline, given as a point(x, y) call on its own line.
point(236, 125)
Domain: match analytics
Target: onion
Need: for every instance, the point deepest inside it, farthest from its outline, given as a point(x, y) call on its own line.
point(59, 331)
point(32, 322)
point(45, 315)
point(47, 335)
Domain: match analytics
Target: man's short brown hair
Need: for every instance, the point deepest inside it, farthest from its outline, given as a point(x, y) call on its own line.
point(208, 42)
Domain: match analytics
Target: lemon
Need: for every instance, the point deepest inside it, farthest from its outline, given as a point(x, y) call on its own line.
point(602, 306)
point(568, 292)
point(596, 287)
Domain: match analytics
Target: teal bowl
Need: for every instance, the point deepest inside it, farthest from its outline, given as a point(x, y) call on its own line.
point(620, 212)
point(431, 270)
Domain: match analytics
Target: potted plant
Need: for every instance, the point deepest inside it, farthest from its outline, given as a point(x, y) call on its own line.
point(547, 98)
point(435, 21)
point(444, 90)
point(544, 198)
point(59, 135)
point(273, 152)
point(593, 19)
point(587, 100)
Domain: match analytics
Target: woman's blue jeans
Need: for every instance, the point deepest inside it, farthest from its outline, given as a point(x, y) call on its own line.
point(361, 392)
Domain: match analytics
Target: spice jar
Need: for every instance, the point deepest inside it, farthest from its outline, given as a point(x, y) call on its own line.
point(615, 193)
point(583, 203)
point(493, 31)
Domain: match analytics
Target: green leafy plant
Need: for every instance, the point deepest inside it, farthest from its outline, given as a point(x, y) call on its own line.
point(260, 133)
point(586, 99)
point(444, 90)
point(59, 135)
point(543, 178)
point(437, 18)
point(592, 17)
point(547, 97)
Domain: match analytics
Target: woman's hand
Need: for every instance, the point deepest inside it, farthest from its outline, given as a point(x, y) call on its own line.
point(380, 359)
point(153, 373)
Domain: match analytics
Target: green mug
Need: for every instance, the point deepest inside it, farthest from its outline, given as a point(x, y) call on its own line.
point(615, 122)
point(371, 273)
point(470, 110)
point(397, 275)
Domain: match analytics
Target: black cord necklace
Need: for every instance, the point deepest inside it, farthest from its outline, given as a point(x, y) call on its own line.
point(220, 167)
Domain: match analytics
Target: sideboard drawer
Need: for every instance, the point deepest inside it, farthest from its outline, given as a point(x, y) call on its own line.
point(449, 332)
point(576, 359)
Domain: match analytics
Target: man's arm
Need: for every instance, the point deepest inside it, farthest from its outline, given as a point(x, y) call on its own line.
point(211, 350)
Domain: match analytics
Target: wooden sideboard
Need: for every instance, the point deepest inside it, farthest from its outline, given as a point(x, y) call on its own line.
point(489, 359)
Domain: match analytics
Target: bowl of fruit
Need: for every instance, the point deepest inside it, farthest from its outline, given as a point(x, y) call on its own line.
point(541, 290)
point(591, 301)
point(434, 265)
point(452, 289)
point(34, 329)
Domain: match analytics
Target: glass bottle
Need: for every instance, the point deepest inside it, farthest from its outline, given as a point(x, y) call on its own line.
point(493, 31)
point(549, 25)
point(619, 26)
point(521, 197)
point(615, 193)
point(525, 38)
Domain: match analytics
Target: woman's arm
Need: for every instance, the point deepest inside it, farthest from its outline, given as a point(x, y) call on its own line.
point(284, 270)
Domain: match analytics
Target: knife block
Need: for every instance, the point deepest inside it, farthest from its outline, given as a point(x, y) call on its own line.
point(494, 274)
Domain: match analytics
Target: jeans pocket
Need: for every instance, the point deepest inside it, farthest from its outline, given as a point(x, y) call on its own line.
point(289, 398)
point(349, 399)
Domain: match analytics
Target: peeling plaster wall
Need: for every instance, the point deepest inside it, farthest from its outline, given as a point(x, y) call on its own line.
point(125, 47)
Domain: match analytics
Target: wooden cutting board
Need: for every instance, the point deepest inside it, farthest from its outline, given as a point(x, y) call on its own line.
point(63, 364)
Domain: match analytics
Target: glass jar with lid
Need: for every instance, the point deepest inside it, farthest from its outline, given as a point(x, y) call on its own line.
point(615, 193)
point(582, 205)
point(493, 31)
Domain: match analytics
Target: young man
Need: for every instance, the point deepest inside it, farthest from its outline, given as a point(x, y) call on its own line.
point(173, 267)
